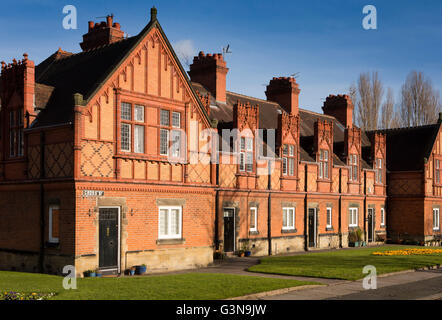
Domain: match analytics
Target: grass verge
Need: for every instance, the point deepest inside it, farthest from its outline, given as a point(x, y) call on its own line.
point(191, 286)
point(344, 264)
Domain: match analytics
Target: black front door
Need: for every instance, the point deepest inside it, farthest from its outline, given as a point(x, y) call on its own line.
point(229, 230)
point(311, 227)
point(370, 225)
point(108, 231)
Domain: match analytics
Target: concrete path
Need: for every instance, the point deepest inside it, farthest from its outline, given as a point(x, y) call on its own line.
point(419, 285)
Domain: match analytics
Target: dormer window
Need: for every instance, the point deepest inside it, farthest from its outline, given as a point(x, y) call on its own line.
point(437, 171)
point(353, 163)
point(16, 141)
point(246, 154)
point(379, 170)
point(288, 160)
point(323, 164)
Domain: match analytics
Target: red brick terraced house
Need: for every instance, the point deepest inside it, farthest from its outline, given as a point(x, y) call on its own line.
point(113, 157)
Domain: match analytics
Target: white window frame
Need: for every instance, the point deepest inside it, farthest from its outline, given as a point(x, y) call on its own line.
point(255, 210)
point(130, 137)
point(139, 107)
point(436, 219)
point(167, 142)
point(356, 217)
point(290, 211)
point(179, 119)
point(329, 222)
point(382, 217)
point(139, 139)
point(180, 226)
point(51, 238)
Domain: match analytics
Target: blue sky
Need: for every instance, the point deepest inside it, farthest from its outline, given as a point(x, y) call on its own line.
point(322, 40)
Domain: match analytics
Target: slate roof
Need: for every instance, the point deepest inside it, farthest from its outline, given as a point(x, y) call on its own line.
point(268, 119)
point(83, 73)
point(407, 148)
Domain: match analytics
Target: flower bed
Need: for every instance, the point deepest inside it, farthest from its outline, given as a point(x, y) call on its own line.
point(408, 252)
point(11, 295)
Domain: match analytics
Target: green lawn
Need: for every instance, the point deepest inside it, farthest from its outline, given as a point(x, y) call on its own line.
point(344, 264)
point(190, 286)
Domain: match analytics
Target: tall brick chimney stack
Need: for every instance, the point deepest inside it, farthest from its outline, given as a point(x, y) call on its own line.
point(20, 76)
point(210, 71)
point(341, 107)
point(284, 91)
point(99, 34)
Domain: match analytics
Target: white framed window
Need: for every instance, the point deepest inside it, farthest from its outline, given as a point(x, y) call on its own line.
point(353, 163)
point(54, 224)
point(323, 164)
point(125, 137)
point(164, 118)
point(246, 154)
point(353, 218)
point(164, 142)
point(176, 119)
point(139, 139)
point(379, 171)
point(176, 143)
point(284, 166)
point(139, 113)
point(170, 223)
point(288, 219)
point(382, 217)
point(126, 111)
point(242, 162)
point(329, 218)
point(436, 219)
point(253, 219)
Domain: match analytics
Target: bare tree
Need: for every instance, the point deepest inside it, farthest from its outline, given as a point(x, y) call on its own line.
point(388, 112)
point(420, 102)
point(369, 99)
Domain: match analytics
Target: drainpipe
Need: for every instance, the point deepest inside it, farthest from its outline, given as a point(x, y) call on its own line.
point(340, 209)
point(365, 207)
point(217, 209)
point(269, 207)
point(42, 204)
point(305, 209)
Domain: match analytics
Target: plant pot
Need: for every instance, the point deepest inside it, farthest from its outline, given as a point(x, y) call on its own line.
point(140, 270)
point(248, 253)
point(241, 254)
point(88, 274)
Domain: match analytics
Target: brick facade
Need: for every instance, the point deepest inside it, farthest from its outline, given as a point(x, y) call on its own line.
point(82, 153)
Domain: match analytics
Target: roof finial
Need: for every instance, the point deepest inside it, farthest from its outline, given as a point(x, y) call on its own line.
point(153, 14)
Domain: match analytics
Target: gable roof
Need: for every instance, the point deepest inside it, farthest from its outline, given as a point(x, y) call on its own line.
point(407, 148)
point(86, 72)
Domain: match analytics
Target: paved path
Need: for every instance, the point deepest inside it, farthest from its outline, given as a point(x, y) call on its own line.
point(419, 285)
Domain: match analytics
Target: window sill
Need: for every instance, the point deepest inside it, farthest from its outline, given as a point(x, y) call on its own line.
point(285, 231)
point(52, 245)
point(253, 233)
point(170, 241)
